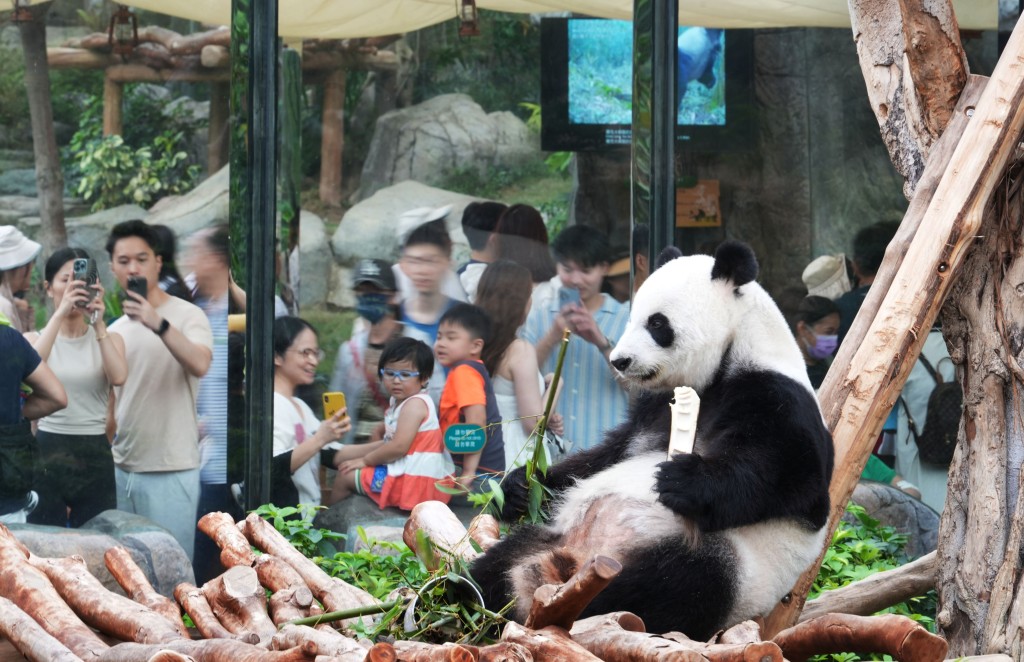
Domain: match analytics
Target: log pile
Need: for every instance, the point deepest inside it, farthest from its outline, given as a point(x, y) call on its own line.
point(55, 610)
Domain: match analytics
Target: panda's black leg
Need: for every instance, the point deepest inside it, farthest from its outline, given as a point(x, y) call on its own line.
point(672, 588)
point(491, 571)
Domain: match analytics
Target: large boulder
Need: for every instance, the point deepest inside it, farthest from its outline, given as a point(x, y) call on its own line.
point(155, 550)
point(441, 136)
point(315, 260)
point(202, 207)
point(895, 508)
point(374, 227)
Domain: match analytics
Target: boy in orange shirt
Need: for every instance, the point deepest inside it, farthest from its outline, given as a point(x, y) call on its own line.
point(468, 396)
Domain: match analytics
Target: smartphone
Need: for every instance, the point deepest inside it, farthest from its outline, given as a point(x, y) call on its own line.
point(84, 269)
point(567, 295)
point(138, 285)
point(334, 401)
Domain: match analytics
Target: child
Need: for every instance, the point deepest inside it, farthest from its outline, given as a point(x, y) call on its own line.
point(468, 396)
point(402, 469)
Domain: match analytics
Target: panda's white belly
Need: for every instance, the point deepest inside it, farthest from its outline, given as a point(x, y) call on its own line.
point(616, 509)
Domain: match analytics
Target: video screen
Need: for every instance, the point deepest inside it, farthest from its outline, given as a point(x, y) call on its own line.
point(601, 73)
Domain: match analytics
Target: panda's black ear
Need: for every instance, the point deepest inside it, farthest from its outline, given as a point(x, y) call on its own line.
point(667, 254)
point(735, 262)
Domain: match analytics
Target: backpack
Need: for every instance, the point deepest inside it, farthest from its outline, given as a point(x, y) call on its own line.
point(937, 440)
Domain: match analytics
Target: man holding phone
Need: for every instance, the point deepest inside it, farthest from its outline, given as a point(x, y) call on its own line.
point(169, 346)
point(592, 400)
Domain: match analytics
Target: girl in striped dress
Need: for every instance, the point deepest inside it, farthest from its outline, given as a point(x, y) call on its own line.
point(404, 467)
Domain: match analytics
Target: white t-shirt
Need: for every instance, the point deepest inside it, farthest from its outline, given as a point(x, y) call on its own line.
point(157, 424)
point(294, 423)
point(78, 364)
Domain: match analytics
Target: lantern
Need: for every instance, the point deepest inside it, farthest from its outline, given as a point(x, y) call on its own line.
point(123, 34)
point(469, 20)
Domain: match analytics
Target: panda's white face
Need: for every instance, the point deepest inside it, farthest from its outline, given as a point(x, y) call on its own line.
point(680, 326)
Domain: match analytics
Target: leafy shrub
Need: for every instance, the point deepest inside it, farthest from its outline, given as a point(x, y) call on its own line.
point(295, 523)
point(109, 171)
point(13, 100)
point(860, 550)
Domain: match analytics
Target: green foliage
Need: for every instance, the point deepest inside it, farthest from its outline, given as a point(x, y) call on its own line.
point(862, 549)
point(13, 99)
point(295, 523)
point(507, 50)
point(110, 171)
point(377, 574)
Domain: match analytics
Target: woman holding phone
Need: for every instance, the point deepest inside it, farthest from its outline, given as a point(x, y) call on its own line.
point(75, 481)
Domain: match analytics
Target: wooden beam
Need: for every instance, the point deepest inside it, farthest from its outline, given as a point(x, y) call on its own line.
point(332, 140)
point(859, 392)
point(877, 592)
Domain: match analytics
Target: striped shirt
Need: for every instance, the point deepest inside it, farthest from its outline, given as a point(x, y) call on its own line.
point(212, 403)
point(592, 402)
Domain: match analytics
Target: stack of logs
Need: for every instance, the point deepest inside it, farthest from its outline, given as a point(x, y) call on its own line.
point(51, 610)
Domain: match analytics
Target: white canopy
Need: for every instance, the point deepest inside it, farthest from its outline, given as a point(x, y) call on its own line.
point(337, 19)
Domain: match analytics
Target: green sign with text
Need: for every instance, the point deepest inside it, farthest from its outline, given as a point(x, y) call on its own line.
point(465, 438)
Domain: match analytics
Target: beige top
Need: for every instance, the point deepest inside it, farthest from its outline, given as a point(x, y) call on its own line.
point(157, 424)
point(79, 367)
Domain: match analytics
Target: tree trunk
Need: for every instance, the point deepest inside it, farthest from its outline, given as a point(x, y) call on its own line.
point(49, 177)
point(980, 595)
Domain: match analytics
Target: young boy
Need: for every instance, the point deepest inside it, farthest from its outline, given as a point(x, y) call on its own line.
point(468, 396)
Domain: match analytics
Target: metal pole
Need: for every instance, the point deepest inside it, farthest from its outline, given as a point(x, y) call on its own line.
point(259, 364)
point(655, 29)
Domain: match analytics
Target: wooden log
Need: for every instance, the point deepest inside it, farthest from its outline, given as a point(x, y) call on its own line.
point(440, 525)
point(290, 604)
point(561, 605)
point(78, 58)
point(485, 530)
point(152, 55)
point(239, 602)
point(381, 652)
point(335, 594)
point(421, 651)
point(551, 644)
point(877, 592)
point(219, 132)
point(157, 35)
point(99, 41)
point(747, 632)
point(504, 651)
point(108, 612)
point(213, 57)
point(332, 139)
point(113, 95)
point(193, 44)
point(29, 638)
point(130, 577)
point(29, 588)
point(277, 575)
point(617, 619)
point(170, 656)
point(234, 548)
point(915, 69)
point(195, 604)
point(330, 643)
point(859, 391)
point(898, 636)
point(209, 650)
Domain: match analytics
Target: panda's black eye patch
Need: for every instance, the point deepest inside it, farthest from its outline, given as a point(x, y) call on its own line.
point(660, 330)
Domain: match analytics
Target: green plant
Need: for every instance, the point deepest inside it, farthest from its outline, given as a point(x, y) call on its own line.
point(375, 573)
point(862, 549)
point(295, 523)
point(13, 100)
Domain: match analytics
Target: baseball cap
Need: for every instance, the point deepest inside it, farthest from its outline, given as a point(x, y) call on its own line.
point(376, 272)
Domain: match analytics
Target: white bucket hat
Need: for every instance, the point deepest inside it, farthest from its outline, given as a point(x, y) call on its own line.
point(826, 276)
point(16, 250)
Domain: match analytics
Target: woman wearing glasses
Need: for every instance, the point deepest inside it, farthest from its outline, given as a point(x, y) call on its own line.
point(300, 439)
point(402, 469)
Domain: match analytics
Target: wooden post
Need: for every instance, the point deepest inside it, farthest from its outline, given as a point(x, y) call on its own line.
point(333, 137)
point(217, 143)
point(113, 94)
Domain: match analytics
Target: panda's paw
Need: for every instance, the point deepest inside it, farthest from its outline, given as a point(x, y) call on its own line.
point(517, 495)
point(676, 484)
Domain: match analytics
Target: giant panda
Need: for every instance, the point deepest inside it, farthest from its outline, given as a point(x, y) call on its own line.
point(707, 539)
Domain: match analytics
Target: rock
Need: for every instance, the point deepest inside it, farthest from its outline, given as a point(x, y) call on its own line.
point(202, 207)
point(18, 181)
point(440, 136)
point(156, 552)
point(895, 508)
point(376, 534)
point(315, 260)
point(372, 227)
point(341, 294)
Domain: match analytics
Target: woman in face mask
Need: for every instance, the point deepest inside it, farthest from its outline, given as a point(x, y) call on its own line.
point(355, 369)
point(815, 325)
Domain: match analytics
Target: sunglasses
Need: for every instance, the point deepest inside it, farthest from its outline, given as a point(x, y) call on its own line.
point(398, 375)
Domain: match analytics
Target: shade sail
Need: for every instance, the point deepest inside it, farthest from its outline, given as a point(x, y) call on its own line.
point(337, 19)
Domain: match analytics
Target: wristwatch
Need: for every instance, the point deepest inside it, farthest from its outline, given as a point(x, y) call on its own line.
point(162, 329)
